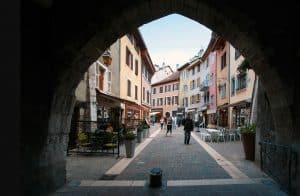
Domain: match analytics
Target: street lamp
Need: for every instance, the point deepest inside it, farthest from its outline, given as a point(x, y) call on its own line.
point(107, 58)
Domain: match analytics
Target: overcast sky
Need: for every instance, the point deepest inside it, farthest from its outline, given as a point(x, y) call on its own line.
point(174, 39)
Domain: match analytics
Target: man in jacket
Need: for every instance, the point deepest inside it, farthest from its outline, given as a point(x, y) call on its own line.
point(188, 127)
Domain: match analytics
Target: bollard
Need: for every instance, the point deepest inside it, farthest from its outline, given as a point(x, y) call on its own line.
point(155, 177)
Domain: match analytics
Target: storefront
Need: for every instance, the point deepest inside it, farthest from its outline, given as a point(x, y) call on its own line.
point(241, 113)
point(108, 110)
point(222, 115)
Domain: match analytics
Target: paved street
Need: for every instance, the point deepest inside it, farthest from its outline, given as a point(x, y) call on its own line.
point(201, 168)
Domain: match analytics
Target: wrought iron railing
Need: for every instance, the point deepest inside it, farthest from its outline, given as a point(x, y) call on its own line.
point(280, 163)
point(92, 137)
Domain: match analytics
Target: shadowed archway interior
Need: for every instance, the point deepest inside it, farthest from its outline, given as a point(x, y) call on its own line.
point(61, 39)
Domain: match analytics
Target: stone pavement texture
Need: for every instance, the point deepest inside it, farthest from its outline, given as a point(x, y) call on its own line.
point(180, 164)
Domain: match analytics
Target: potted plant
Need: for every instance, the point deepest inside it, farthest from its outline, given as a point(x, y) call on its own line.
point(146, 127)
point(139, 134)
point(129, 140)
point(248, 140)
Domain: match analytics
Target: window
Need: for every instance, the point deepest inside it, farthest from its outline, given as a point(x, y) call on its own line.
point(193, 71)
point(159, 101)
point(241, 81)
point(129, 58)
point(175, 87)
point(136, 92)
point(154, 90)
point(198, 98)
point(167, 88)
point(176, 100)
point(161, 89)
point(143, 93)
point(232, 86)
point(185, 102)
point(168, 100)
point(153, 102)
point(148, 97)
point(223, 91)
point(198, 68)
point(198, 82)
point(136, 67)
point(185, 88)
point(109, 81)
point(237, 54)
point(128, 88)
point(101, 78)
point(192, 84)
point(223, 61)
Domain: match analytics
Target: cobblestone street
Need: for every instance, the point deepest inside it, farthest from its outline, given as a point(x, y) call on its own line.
point(187, 170)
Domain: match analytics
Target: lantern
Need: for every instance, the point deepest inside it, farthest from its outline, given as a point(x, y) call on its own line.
point(107, 58)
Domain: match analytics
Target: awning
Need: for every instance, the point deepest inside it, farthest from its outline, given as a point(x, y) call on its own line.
point(211, 111)
point(240, 103)
point(153, 113)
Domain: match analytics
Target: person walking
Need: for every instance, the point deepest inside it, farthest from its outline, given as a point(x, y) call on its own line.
point(188, 127)
point(169, 123)
point(162, 120)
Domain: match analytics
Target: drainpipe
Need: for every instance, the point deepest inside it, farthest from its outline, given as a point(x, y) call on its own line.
point(229, 116)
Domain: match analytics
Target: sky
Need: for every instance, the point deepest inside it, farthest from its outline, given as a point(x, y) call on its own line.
point(174, 39)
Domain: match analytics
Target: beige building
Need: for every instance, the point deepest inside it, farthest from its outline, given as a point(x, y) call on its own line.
point(183, 94)
point(165, 96)
point(127, 66)
point(223, 98)
point(147, 72)
point(241, 88)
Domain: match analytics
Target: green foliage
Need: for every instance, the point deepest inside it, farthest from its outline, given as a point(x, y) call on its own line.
point(248, 129)
point(82, 137)
point(140, 129)
point(129, 135)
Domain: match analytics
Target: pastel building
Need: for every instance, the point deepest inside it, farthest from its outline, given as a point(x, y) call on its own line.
point(241, 90)
point(165, 96)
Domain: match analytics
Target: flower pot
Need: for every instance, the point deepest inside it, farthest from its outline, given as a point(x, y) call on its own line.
point(130, 148)
point(248, 141)
point(147, 132)
point(139, 137)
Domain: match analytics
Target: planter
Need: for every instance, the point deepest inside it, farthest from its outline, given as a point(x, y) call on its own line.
point(139, 137)
point(147, 132)
point(144, 133)
point(248, 141)
point(130, 148)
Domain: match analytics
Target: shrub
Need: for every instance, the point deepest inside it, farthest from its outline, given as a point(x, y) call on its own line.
point(129, 135)
point(248, 129)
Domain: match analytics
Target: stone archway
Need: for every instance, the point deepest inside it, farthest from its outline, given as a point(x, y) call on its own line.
point(66, 38)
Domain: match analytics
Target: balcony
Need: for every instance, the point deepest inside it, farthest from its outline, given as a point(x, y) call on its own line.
point(204, 85)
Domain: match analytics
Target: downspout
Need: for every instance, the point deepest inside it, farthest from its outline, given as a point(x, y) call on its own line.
point(229, 116)
point(217, 111)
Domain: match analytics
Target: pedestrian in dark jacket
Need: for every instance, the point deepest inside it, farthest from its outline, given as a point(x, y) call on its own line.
point(188, 127)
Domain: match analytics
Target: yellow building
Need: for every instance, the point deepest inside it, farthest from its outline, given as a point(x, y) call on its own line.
point(127, 67)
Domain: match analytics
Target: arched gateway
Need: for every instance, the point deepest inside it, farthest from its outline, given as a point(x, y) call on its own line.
point(60, 39)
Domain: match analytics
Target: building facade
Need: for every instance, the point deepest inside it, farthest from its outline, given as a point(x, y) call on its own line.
point(241, 90)
point(147, 72)
point(165, 96)
point(223, 84)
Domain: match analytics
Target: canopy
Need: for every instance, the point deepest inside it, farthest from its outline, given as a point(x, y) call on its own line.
point(153, 113)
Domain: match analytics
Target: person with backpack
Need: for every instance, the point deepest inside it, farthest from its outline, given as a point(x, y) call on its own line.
point(188, 127)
